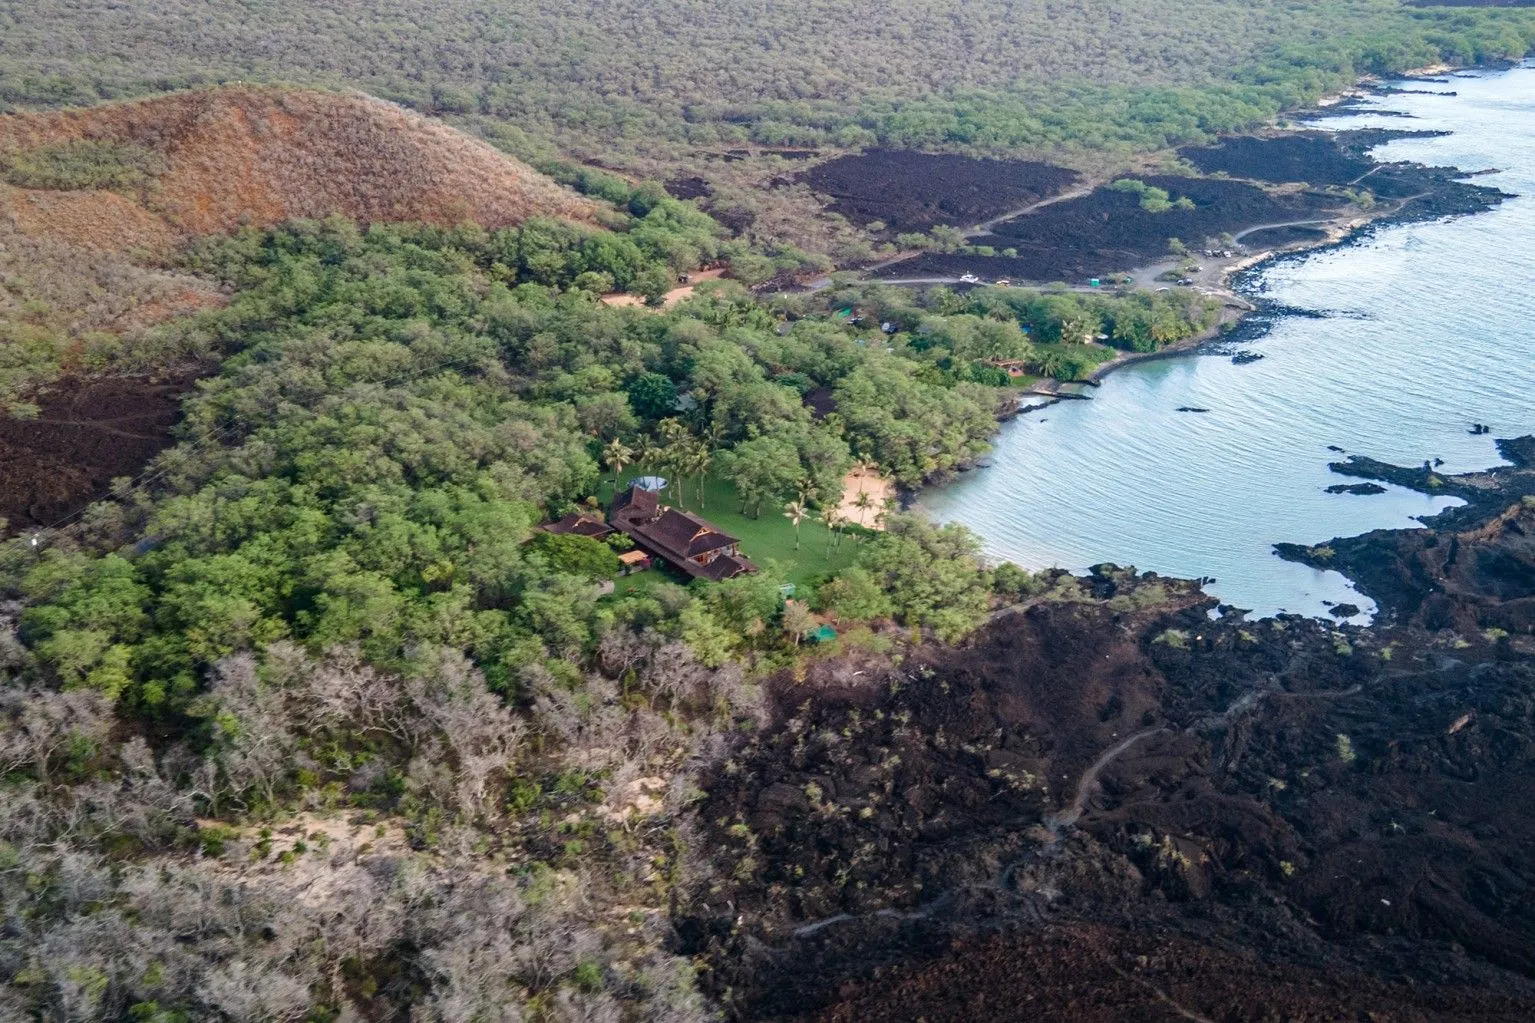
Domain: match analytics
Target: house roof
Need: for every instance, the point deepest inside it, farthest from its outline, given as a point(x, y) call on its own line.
point(634, 504)
point(726, 566)
point(579, 525)
point(685, 534)
point(677, 536)
point(633, 557)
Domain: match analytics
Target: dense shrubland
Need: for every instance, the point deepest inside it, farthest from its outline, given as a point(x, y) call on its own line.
point(637, 73)
point(400, 406)
point(648, 87)
point(308, 722)
point(319, 608)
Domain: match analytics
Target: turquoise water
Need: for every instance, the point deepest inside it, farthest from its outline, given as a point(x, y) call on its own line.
point(1430, 327)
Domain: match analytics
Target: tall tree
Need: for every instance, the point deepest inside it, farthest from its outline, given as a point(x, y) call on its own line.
point(675, 452)
point(863, 502)
point(617, 455)
point(796, 512)
point(648, 454)
point(834, 521)
point(762, 468)
point(797, 621)
point(700, 459)
point(806, 489)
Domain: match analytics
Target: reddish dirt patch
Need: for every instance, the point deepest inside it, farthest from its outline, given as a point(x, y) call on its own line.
point(672, 297)
point(103, 221)
point(86, 434)
point(914, 191)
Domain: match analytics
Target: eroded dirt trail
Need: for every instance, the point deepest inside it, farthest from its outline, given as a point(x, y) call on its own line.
point(1072, 811)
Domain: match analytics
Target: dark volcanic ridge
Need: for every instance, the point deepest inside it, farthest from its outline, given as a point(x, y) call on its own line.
point(1109, 231)
point(909, 191)
point(1473, 568)
point(1313, 157)
point(86, 433)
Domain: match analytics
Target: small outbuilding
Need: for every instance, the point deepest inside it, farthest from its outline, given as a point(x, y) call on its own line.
point(634, 561)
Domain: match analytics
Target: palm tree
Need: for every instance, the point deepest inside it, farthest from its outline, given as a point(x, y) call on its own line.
point(617, 455)
point(647, 453)
point(806, 489)
point(676, 444)
point(672, 430)
point(675, 460)
point(834, 520)
point(863, 502)
point(698, 463)
point(796, 512)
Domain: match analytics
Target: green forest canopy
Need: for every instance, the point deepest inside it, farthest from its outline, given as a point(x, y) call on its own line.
point(398, 407)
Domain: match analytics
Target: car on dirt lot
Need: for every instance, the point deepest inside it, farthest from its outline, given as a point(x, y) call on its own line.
point(969, 279)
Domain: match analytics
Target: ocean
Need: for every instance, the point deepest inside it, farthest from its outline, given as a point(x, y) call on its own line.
point(1424, 330)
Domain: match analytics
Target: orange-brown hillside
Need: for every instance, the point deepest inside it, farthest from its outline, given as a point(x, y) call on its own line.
point(252, 155)
point(83, 241)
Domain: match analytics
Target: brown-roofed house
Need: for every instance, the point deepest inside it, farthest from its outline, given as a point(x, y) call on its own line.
point(579, 525)
point(681, 539)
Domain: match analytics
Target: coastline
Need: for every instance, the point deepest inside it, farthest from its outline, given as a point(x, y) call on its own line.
point(1236, 308)
point(1235, 282)
point(1344, 229)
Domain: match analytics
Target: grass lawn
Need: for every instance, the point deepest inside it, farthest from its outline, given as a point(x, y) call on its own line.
point(639, 582)
point(768, 541)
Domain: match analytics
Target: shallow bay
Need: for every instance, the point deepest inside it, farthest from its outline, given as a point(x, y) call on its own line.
point(1427, 329)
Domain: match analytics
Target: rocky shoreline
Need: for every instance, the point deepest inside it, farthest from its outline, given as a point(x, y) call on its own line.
point(1408, 573)
point(1122, 800)
point(1418, 193)
point(1111, 805)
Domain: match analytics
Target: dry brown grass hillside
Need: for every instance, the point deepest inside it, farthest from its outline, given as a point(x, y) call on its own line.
point(93, 201)
point(226, 157)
